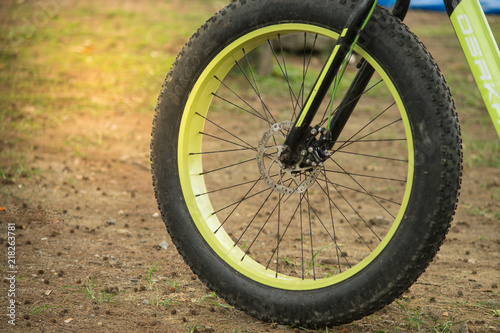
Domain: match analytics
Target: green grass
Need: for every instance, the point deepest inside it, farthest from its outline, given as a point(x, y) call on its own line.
point(479, 153)
point(311, 262)
point(18, 169)
point(175, 285)
point(479, 211)
point(417, 318)
point(61, 60)
point(215, 300)
point(44, 308)
point(65, 60)
point(192, 328)
point(149, 278)
point(491, 310)
point(92, 291)
point(167, 303)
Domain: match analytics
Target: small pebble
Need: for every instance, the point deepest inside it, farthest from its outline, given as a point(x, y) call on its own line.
point(163, 245)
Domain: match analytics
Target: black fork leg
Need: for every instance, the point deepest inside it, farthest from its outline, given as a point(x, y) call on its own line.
point(354, 93)
point(359, 85)
point(401, 8)
point(343, 46)
point(350, 100)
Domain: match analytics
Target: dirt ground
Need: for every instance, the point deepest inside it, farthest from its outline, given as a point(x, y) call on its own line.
point(92, 253)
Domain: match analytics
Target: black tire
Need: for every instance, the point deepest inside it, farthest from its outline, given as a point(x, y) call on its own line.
point(362, 261)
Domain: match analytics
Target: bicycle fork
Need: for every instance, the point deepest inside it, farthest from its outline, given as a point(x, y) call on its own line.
point(301, 144)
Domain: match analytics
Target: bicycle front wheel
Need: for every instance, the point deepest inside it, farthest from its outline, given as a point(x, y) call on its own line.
point(320, 245)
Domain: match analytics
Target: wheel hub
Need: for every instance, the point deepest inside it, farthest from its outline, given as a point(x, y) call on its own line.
point(293, 179)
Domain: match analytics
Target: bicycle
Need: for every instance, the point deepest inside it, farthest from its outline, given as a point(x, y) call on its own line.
point(318, 190)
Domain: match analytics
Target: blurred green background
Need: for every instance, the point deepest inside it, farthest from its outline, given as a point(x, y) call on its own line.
point(61, 59)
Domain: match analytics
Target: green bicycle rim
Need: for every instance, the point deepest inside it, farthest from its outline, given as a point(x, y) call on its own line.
point(191, 169)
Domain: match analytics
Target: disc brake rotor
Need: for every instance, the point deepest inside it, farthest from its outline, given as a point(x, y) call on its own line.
point(286, 180)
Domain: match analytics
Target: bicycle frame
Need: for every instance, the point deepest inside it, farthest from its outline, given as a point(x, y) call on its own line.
point(481, 51)
point(477, 42)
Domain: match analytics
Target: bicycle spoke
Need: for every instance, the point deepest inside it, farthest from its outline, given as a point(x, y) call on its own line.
point(279, 238)
point(282, 67)
point(373, 156)
point(222, 151)
point(255, 87)
point(350, 141)
point(236, 204)
point(352, 175)
point(369, 141)
point(330, 209)
point(224, 140)
point(224, 130)
point(325, 118)
point(227, 166)
point(348, 220)
point(363, 193)
point(305, 69)
point(367, 192)
point(253, 219)
point(228, 187)
point(254, 113)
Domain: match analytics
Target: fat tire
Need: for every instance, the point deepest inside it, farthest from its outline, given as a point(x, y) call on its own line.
point(436, 137)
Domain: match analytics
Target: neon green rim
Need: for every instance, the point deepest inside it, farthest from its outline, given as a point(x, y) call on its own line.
point(191, 169)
